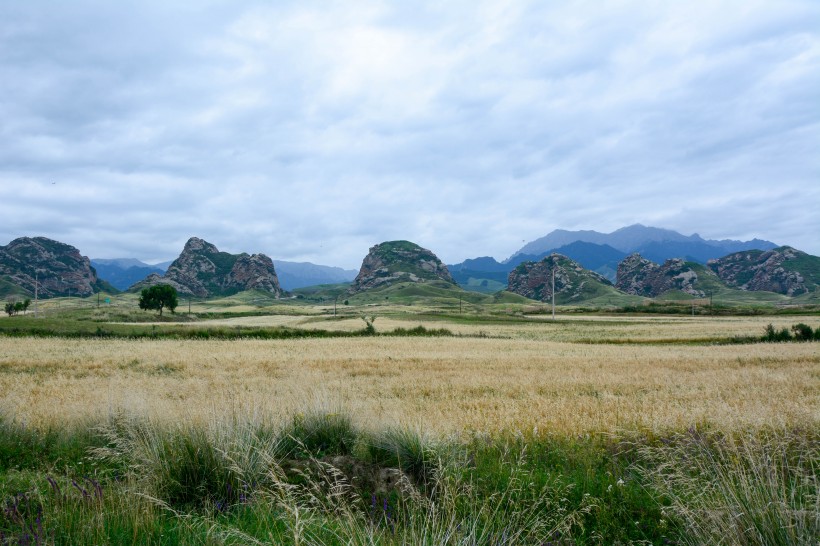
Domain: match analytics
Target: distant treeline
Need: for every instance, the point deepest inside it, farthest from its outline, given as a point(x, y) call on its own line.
point(233, 333)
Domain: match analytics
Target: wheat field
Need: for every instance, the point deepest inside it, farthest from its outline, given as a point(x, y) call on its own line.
point(533, 377)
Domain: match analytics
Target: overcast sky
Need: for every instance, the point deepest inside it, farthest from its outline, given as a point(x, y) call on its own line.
point(311, 131)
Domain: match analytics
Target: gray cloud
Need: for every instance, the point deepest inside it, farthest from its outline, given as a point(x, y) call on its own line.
point(312, 132)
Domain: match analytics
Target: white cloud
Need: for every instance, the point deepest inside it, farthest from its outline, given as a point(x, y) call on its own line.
point(312, 132)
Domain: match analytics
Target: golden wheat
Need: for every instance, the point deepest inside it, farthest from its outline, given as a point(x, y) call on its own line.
point(443, 384)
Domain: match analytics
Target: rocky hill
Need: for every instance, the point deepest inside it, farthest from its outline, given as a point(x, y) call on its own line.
point(573, 283)
point(783, 270)
point(203, 271)
point(59, 268)
point(641, 277)
point(399, 261)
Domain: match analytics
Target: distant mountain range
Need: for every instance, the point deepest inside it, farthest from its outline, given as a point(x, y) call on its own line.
point(648, 262)
point(293, 275)
point(653, 243)
point(124, 272)
point(602, 252)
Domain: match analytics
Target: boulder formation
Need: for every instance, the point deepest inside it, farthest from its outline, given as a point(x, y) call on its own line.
point(641, 277)
point(203, 271)
point(58, 268)
point(783, 270)
point(399, 261)
point(573, 283)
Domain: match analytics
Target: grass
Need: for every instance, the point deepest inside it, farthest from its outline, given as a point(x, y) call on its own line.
point(745, 489)
point(564, 376)
point(232, 480)
point(515, 429)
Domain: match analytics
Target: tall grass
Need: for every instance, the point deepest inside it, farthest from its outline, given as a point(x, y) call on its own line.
point(320, 479)
point(233, 481)
point(750, 489)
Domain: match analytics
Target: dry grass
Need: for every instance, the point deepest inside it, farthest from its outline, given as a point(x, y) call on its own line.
point(443, 384)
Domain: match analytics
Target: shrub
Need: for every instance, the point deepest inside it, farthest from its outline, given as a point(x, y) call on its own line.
point(802, 332)
point(773, 335)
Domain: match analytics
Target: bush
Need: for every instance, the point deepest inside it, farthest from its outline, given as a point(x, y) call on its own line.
point(802, 332)
point(773, 335)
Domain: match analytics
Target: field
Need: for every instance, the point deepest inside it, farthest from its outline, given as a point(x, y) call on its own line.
point(606, 417)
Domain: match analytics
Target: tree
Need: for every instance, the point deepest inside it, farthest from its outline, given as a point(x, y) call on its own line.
point(26, 303)
point(10, 308)
point(158, 297)
point(18, 306)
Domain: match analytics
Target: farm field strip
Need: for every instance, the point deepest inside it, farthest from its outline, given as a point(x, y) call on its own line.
point(443, 385)
point(567, 328)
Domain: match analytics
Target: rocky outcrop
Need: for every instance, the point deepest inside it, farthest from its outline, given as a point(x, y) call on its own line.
point(783, 270)
point(203, 271)
point(573, 283)
point(254, 272)
point(640, 277)
point(58, 268)
point(399, 261)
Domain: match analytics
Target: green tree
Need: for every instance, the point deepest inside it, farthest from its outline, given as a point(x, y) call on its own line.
point(158, 297)
point(10, 308)
point(18, 307)
point(26, 304)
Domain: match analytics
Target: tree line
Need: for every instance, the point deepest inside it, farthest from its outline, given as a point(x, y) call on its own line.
point(13, 308)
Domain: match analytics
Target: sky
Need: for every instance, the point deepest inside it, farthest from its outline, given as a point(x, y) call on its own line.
point(311, 131)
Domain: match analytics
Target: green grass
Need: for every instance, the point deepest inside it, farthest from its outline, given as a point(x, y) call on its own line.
point(237, 480)
point(485, 286)
point(10, 290)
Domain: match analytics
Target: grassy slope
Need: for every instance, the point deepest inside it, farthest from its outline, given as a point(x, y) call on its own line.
point(10, 290)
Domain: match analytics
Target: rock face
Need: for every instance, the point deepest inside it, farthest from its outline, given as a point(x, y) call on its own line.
point(640, 277)
point(59, 268)
point(573, 283)
point(399, 261)
point(203, 271)
point(783, 270)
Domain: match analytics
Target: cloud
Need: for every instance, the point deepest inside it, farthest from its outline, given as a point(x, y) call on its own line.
point(312, 132)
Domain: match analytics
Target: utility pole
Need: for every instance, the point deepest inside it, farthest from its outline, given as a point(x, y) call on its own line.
point(553, 291)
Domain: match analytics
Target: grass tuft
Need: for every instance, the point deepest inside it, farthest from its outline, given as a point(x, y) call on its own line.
point(319, 434)
point(752, 489)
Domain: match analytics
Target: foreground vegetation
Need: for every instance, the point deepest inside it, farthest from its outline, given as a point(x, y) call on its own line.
point(252, 421)
point(319, 479)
